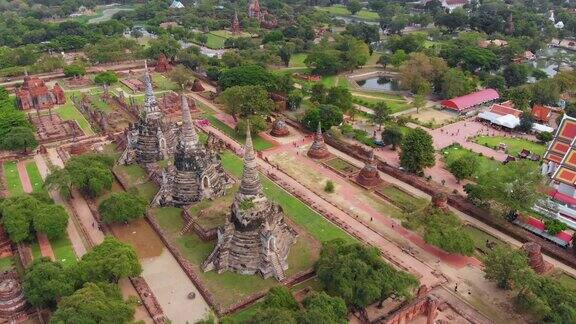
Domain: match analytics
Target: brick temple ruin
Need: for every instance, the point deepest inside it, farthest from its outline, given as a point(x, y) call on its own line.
point(254, 238)
point(369, 176)
point(162, 64)
point(170, 104)
point(51, 128)
point(197, 172)
point(34, 94)
point(279, 128)
point(151, 139)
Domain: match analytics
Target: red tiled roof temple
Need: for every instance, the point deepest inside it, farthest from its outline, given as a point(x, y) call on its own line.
point(471, 100)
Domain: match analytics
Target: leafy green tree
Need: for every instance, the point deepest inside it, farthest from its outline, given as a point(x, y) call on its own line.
point(510, 187)
point(545, 137)
point(526, 123)
point(358, 274)
point(380, 113)
point(294, 99)
point(280, 297)
point(421, 72)
point(181, 75)
point(272, 315)
point(107, 77)
point(392, 135)
point(464, 167)
point(163, 44)
point(19, 138)
point(247, 75)
point(94, 303)
point(520, 96)
point(385, 59)
point(333, 308)
point(368, 33)
point(11, 118)
point(51, 220)
point(109, 261)
point(122, 207)
point(74, 70)
point(444, 229)
point(495, 82)
point(327, 115)
point(45, 282)
point(340, 97)
point(412, 42)
point(354, 6)
point(398, 58)
point(419, 100)
point(545, 92)
point(456, 83)
point(4, 94)
point(246, 101)
point(554, 226)
point(515, 75)
point(324, 61)
point(417, 151)
point(274, 36)
point(504, 264)
point(454, 20)
point(90, 173)
point(17, 215)
point(257, 124)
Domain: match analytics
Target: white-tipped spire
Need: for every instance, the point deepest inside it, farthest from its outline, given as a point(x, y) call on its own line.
point(188, 136)
point(150, 103)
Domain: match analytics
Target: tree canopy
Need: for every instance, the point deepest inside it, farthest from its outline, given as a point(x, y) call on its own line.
point(417, 151)
point(122, 207)
point(326, 115)
point(247, 101)
point(45, 282)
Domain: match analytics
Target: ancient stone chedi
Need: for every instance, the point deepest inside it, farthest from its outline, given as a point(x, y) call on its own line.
point(318, 149)
point(197, 173)
point(151, 138)
point(254, 238)
point(34, 94)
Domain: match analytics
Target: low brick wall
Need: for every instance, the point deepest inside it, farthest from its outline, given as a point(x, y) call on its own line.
point(461, 203)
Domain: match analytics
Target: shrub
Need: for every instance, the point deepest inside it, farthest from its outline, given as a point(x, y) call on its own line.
point(554, 226)
point(329, 187)
point(122, 207)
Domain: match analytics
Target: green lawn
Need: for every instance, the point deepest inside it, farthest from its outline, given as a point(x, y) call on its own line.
point(162, 83)
point(297, 60)
point(480, 237)
point(296, 210)
point(147, 190)
point(402, 199)
point(12, 178)
point(564, 278)
point(368, 99)
point(335, 80)
point(515, 145)
point(229, 287)
point(134, 174)
point(228, 34)
point(215, 42)
point(6, 263)
point(455, 152)
point(100, 104)
point(63, 250)
point(69, 112)
point(260, 144)
point(342, 165)
point(339, 10)
point(36, 254)
point(34, 176)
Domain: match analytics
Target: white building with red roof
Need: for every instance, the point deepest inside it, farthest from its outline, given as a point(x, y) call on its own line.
point(560, 167)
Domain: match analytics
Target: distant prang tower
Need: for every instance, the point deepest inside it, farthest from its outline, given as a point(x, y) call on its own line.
point(235, 29)
point(254, 238)
point(151, 138)
point(197, 173)
point(254, 10)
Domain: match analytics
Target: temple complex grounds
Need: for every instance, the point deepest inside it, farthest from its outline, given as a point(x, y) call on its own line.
point(514, 145)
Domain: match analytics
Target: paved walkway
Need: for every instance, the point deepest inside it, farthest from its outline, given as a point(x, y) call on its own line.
point(43, 242)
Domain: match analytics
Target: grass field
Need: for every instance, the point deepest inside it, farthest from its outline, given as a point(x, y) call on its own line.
point(296, 210)
point(455, 152)
point(134, 174)
point(6, 263)
point(34, 175)
point(12, 178)
point(214, 41)
point(229, 287)
point(342, 165)
point(297, 60)
point(210, 213)
point(35, 250)
point(394, 102)
point(565, 279)
point(260, 144)
point(339, 10)
point(228, 34)
point(335, 80)
point(63, 250)
point(162, 83)
point(515, 145)
point(402, 199)
point(100, 104)
point(480, 237)
point(69, 112)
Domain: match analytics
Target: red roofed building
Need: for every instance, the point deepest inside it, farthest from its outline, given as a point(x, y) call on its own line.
point(541, 114)
point(505, 108)
point(470, 101)
point(560, 166)
point(34, 94)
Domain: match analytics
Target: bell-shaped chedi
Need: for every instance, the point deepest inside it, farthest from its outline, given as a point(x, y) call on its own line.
point(369, 175)
point(279, 128)
point(318, 149)
point(255, 239)
point(440, 200)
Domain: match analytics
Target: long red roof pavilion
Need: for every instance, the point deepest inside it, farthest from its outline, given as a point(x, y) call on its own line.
point(471, 100)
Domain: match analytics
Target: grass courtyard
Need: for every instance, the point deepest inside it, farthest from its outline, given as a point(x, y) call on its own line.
point(515, 145)
point(455, 152)
point(34, 176)
point(297, 60)
point(260, 144)
point(339, 10)
point(12, 178)
point(69, 112)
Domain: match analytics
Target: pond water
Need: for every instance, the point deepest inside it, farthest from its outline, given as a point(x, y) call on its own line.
point(379, 84)
point(549, 58)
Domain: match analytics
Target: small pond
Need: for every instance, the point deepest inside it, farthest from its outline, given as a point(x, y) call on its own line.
point(379, 84)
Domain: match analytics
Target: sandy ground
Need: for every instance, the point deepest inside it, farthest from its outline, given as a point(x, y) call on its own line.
point(171, 287)
point(433, 115)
